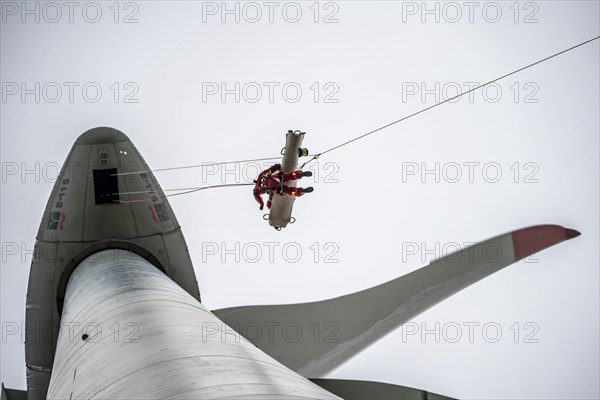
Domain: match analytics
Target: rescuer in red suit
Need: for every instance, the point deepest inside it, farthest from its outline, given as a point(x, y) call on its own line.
point(271, 181)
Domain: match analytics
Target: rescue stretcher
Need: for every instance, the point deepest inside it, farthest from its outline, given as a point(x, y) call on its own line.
point(280, 214)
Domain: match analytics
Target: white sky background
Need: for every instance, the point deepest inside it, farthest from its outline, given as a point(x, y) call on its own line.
point(372, 53)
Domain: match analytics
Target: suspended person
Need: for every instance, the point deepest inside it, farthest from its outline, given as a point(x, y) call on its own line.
point(272, 180)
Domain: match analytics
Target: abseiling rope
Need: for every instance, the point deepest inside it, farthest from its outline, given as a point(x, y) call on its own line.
point(316, 156)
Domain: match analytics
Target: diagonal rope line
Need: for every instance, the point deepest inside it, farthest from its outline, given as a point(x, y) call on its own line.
point(450, 99)
point(203, 165)
point(209, 187)
point(316, 156)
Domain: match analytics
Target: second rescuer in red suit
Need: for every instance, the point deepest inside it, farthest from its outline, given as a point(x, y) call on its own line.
point(271, 181)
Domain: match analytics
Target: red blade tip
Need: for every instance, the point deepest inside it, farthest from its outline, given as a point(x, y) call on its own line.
point(529, 241)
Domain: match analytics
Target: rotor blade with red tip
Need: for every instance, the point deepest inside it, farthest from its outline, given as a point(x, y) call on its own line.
point(357, 320)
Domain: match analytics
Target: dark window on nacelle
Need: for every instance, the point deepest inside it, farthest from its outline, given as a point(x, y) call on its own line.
point(106, 186)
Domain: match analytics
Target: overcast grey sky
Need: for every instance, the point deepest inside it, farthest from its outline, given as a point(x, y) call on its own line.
point(190, 84)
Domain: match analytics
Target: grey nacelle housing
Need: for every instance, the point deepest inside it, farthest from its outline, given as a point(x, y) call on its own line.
point(105, 197)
